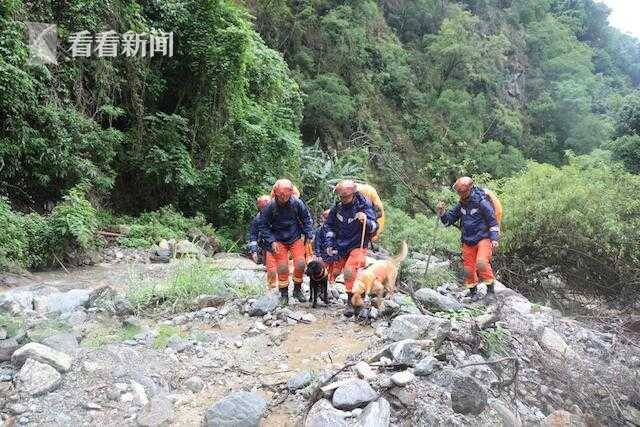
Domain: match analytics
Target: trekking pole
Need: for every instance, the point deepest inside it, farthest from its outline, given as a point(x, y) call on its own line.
point(364, 229)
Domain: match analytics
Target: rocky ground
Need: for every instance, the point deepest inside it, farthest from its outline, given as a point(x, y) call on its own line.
point(79, 356)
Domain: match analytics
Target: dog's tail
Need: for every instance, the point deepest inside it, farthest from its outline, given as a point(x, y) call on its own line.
point(404, 250)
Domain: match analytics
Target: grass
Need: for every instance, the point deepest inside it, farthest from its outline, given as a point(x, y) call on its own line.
point(109, 331)
point(165, 332)
point(190, 279)
point(47, 328)
point(10, 323)
point(494, 340)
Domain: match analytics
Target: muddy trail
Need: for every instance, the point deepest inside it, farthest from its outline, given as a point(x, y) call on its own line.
point(74, 351)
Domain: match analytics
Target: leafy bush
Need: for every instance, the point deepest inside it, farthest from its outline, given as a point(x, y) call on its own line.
point(579, 223)
point(107, 331)
point(423, 234)
point(494, 340)
point(190, 279)
point(165, 332)
point(166, 223)
point(36, 241)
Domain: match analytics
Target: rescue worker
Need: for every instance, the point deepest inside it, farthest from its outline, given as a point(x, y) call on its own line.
point(256, 251)
point(480, 234)
point(345, 223)
point(282, 224)
point(320, 247)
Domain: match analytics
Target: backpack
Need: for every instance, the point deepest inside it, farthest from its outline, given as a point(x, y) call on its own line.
point(370, 193)
point(497, 206)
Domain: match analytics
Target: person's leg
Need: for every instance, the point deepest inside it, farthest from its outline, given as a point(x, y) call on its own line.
point(469, 253)
point(272, 273)
point(282, 267)
point(483, 265)
point(298, 254)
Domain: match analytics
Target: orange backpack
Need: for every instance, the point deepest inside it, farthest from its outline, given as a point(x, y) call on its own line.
point(497, 206)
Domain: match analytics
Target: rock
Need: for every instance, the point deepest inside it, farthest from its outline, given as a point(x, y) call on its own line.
point(364, 370)
point(195, 384)
point(75, 318)
point(159, 255)
point(506, 416)
point(239, 409)
point(3, 334)
point(376, 414)
point(435, 301)
point(15, 301)
point(301, 380)
point(7, 348)
point(402, 378)
point(186, 248)
point(425, 366)
point(62, 302)
point(553, 342)
point(158, 412)
point(328, 389)
point(65, 342)
point(36, 378)
point(323, 414)
point(43, 354)
point(482, 373)
point(113, 394)
point(7, 372)
point(210, 301)
point(164, 244)
point(308, 317)
point(139, 393)
point(467, 395)
point(17, 408)
point(563, 419)
point(406, 352)
point(632, 414)
point(417, 326)
point(354, 394)
point(265, 304)
point(178, 344)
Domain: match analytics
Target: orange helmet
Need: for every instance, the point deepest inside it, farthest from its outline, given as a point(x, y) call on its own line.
point(262, 201)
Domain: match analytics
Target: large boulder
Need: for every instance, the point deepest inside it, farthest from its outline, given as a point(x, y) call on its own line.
point(376, 414)
point(323, 414)
point(7, 348)
point(65, 342)
point(42, 354)
point(406, 352)
point(185, 248)
point(551, 341)
point(157, 412)
point(467, 395)
point(265, 304)
point(62, 302)
point(354, 394)
point(239, 409)
point(417, 326)
point(15, 301)
point(37, 378)
point(435, 301)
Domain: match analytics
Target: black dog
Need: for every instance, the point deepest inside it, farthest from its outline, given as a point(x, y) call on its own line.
point(318, 282)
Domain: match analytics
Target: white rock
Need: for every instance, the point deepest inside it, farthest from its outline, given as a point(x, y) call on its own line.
point(364, 370)
point(42, 354)
point(402, 378)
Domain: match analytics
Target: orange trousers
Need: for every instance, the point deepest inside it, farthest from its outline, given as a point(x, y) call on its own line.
point(278, 264)
point(477, 262)
point(351, 264)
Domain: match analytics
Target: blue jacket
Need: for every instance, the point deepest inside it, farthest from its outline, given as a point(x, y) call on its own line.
point(320, 244)
point(478, 218)
point(345, 231)
point(253, 235)
point(285, 223)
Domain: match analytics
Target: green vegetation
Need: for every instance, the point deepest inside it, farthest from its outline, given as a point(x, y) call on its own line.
point(10, 323)
point(108, 331)
point(189, 280)
point(495, 340)
point(465, 313)
point(165, 332)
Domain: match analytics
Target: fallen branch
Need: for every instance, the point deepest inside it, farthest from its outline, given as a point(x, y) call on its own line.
point(316, 394)
point(109, 234)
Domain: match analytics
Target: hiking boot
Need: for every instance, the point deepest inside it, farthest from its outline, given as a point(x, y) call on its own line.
point(297, 292)
point(490, 297)
point(473, 294)
point(284, 296)
point(348, 311)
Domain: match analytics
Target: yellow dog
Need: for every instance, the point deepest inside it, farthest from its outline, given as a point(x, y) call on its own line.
point(378, 279)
